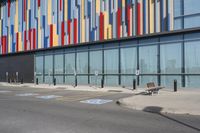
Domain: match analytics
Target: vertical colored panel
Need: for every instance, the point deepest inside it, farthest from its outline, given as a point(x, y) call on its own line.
point(101, 25)
point(63, 33)
point(69, 31)
point(75, 31)
point(34, 38)
point(138, 19)
point(51, 35)
point(25, 41)
point(119, 23)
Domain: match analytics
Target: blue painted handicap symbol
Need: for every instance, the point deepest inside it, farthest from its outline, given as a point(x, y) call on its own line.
point(27, 94)
point(48, 97)
point(96, 101)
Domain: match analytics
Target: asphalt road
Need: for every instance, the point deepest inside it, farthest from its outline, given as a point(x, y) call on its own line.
point(66, 114)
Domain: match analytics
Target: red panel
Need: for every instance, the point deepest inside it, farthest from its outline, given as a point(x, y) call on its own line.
point(101, 26)
point(75, 31)
point(118, 23)
point(29, 38)
point(8, 8)
point(51, 35)
point(139, 19)
point(60, 5)
point(128, 20)
point(63, 33)
point(17, 42)
point(69, 31)
point(4, 44)
point(24, 10)
point(38, 3)
point(34, 38)
point(25, 43)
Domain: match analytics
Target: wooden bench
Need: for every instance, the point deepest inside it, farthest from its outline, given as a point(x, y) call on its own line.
point(152, 88)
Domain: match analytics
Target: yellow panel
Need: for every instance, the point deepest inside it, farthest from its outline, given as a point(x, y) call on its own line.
point(171, 15)
point(123, 3)
point(20, 41)
point(158, 21)
point(66, 9)
point(49, 11)
point(151, 16)
point(105, 25)
point(29, 4)
point(55, 36)
point(16, 17)
point(39, 30)
point(9, 42)
point(82, 22)
point(98, 6)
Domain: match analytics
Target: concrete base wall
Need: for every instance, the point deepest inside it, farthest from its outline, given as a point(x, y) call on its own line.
point(21, 64)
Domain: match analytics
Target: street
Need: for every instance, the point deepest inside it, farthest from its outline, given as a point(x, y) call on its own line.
point(37, 110)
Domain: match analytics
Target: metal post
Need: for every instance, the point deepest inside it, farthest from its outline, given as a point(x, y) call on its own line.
point(22, 81)
point(102, 83)
point(134, 84)
point(36, 81)
point(175, 85)
point(75, 81)
point(54, 81)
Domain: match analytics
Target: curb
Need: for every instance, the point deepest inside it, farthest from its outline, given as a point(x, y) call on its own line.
point(155, 109)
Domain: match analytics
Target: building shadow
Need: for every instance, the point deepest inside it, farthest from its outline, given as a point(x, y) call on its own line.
point(157, 110)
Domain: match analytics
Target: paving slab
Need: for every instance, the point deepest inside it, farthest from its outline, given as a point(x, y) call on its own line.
point(181, 102)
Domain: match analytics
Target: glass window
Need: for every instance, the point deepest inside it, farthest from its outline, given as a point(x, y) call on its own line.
point(70, 80)
point(128, 60)
point(191, 6)
point(178, 23)
point(82, 80)
point(192, 58)
point(192, 21)
point(96, 62)
point(58, 64)
point(70, 63)
point(127, 81)
point(192, 81)
point(39, 65)
point(168, 81)
point(95, 67)
point(48, 67)
point(148, 59)
point(146, 79)
point(59, 79)
point(170, 58)
point(82, 63)
point(111, 61)
point(177, 8)
point(111, 66)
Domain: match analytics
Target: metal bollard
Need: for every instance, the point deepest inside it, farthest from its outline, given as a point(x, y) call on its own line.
point(175, 85)
point(75, 82)
point(102, 83)
point(134, 84)
point(37, 81)
point(54, 81)
point(22, 81)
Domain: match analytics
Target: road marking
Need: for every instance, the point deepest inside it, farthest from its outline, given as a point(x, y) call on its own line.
point(96, 101)
point(5, 91)
point(27, 94)
point(48, 97)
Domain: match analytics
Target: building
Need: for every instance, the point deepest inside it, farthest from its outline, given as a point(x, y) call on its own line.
point(90, 40)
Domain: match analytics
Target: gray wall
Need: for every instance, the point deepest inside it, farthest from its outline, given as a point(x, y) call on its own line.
point(23, 64)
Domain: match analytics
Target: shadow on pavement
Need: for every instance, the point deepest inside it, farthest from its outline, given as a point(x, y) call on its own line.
point(157, 110)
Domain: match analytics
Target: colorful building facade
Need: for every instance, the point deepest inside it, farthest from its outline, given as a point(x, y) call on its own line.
point(34, 24)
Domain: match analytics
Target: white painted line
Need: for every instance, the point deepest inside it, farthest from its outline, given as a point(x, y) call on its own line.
point(5, 91)
point(48, 97)
point(96, 101)
point(27, 94)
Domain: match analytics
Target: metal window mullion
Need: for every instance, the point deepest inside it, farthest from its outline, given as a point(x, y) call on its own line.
point(138, 63)
point(88, 65)
point(119, 67)
point(158, 63)
point(183, 62)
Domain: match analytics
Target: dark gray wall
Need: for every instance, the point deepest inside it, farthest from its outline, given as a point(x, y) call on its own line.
point(23, 64)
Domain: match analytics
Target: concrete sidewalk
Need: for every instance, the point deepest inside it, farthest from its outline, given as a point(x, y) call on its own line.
point(181, 102)
point(70, 87)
